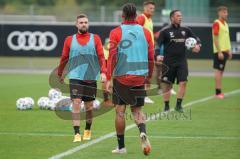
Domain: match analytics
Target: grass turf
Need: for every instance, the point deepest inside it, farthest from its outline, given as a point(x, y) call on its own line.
point(212, 130)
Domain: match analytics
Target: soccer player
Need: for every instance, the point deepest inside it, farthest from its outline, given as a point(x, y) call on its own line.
point(221, 48)
point(84, 53)
point(145, 20)
point(173, 38)
point(131, 61)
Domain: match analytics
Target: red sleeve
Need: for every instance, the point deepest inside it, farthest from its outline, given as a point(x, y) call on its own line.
point(100, 53)
point(156, 35)
point(65, 55)
point(141, 20)
point(150, 52)
point(115, 37)
point(215, 28)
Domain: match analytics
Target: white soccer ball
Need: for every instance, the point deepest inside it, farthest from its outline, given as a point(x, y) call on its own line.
point(51, 104)
point(29, 102)
point(21, 104)
point(63, 104)
point(190, 43)
point(82, 107)
point(54, 94)
point(43, 102)
point(96, 104)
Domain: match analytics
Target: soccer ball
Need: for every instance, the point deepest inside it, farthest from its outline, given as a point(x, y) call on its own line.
point(29, 102)
point(96, 104)
point(43, 102)
point(190, 43)
point(51, 105)
point(54, 94)
point(21, 104)
point(63, 104)
point(25, 103)
point(82, 107)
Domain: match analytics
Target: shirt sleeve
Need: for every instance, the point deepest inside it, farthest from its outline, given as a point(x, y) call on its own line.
point(160, 41)
point(100, 53)
point(215, 28)
point(140, 20)
point(114, 37)
point(150, 52)
point(65, 55)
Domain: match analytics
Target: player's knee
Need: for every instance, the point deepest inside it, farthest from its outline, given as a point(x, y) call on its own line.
point(76, 101)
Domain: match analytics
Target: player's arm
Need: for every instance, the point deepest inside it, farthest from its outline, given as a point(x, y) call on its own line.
point(160, 40)
point(101, 59)
point(215, 30)
point(150, 54)
point(114, 39)
point(64, 57)
point(112, 58)
point(140, 20)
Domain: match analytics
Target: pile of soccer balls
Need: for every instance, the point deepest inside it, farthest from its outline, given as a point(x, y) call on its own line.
point(54, 101)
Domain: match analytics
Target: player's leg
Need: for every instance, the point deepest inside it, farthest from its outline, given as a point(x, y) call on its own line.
point(137, 94)
point(120, 128)
point(167, 80)
point(89, 94)
point(219, 66)
point(89, 119)
point(76, 103)
point(120, 107)
point(139, 119)
point(166, 95)
point(182, 74)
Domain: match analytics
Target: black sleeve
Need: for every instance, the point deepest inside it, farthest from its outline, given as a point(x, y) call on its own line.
point(160, 39)
point(160, 42)
point(191, 34)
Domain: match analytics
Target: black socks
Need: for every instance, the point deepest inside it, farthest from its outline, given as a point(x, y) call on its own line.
point(76, 129)
point(121, 143)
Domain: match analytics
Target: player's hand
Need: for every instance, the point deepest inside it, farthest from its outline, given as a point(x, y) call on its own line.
point(196, 49)
point(220, 56)
point(159, 58)
point(103, 77)
point(229, 55)
point(108, 86)
point(61, 79)
point(147, 83)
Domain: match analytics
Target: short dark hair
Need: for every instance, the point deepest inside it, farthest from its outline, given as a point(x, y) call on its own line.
point(148, 2)
point(220, 8)
point(82, 16)
point(173, 12)
point(129, 11)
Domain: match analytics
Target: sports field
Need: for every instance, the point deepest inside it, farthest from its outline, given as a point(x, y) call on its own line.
point(209, 128)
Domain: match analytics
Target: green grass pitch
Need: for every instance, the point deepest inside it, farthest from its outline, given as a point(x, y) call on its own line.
point(209, 129)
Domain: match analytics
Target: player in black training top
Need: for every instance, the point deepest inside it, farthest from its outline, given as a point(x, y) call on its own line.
point(173, 38)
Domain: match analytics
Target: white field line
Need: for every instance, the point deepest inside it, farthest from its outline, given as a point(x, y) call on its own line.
point(150, 136)
point(109, 135)
point(192, 137)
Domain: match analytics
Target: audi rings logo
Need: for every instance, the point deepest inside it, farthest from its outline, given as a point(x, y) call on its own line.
point(28, 40)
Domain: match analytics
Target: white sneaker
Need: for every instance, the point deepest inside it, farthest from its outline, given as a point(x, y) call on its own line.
point(173, 92)
point(148, 100)
point(146, 146)
point(119, 151)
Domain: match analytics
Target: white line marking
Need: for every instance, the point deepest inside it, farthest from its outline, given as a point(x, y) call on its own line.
point(192, 137)
point(150, 136)
point(33, 134)
point(92, 142)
